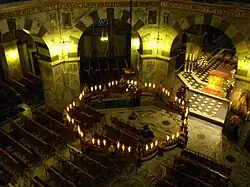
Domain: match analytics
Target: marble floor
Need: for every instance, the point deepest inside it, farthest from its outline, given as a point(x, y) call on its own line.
point(204, 137)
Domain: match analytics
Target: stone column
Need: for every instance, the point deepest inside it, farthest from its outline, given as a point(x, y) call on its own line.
point(61, 82)
point(194, 44)
point(12, 60)
point(24, 58)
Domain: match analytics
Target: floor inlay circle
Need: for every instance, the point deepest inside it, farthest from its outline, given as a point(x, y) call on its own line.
point(201, 136)
point(230, 158)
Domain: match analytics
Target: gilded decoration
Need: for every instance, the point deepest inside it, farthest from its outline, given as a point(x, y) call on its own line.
point(204, 8)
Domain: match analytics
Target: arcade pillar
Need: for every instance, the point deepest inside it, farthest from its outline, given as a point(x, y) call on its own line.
point(61, 83)
point(11, 62)
point(194, 44)
point(24, 58)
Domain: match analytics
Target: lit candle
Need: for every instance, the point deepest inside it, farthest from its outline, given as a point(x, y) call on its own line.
point(129, 149)
point(146, 84)
point(109, 84)
point(156, 142)
point(112, 83)
point(104, 142)
point(98, 142)
point(72, 121)
point(146, 147)
point(172, 136)
point(123, 147)
point(149, 85)
point(166, 92)
point(118, 145)
point(116, 82)
point(230, 104)
point(247, 115)
point(177, 134)
point(153, 85)
point(175, 99)
point(132, 82)
point(95, 87)
point(93, 140)
point(67, 108)
point(70, 106)
point(167, 138)
point(83, 93)
point(135, 83)
point(74, 103)
point(80, 97)
point(91, 88)
point(152, 145)
point(163, 90)
point(100, 87)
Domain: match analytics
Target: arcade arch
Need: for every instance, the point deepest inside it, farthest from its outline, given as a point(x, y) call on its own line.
point(22, 43)
point(229, 29)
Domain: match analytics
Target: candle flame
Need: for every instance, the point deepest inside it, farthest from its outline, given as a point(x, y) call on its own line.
point(156, 142)
point(146, 84)
point(167, 138)
point(104, 142)
point(70, 106)
point(152, 145)
point(93, 140)
point(172, 136)
point(98, 142)
point(153, 85)
point(118, 145)
point(129, 149)
point(91, 88)
point(146, 147)
point(149, 85)
point(123, 147)
point(163, 90)
point(177, 135)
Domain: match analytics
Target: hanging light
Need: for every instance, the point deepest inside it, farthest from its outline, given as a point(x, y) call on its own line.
point(104, 37)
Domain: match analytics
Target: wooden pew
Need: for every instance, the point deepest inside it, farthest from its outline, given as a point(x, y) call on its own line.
point(224, 170)
point(83, 117)
point(72, 171)
point(13, 164)
point(92, 111)
point(37, 80)
point(200, 172)
point(29, 155)
point(11, 92)
point(125, 127)
point(54, 124)
point(17, 86)
point(58, 178)
point(50, 136)
point(6, 177)
point(37, 182)
point(122, 137)
point(39, 145)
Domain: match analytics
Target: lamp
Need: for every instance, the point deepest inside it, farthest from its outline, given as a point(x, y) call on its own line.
point(104, 37)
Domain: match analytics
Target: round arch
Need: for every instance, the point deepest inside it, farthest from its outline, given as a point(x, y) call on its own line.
point(32, 27)
point(226, 27)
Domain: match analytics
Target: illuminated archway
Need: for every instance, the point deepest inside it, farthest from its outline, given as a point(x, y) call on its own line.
point(229, 29)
